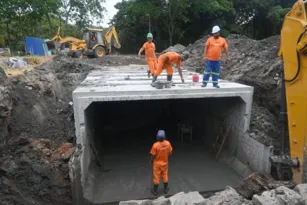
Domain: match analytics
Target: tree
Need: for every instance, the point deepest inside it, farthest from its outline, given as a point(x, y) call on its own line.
point(261, 18)
point(174, 11)
point(82, 11)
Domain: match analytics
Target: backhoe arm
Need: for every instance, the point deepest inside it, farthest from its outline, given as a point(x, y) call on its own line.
point(57, 35)
point(293, 49)
point(108, 38)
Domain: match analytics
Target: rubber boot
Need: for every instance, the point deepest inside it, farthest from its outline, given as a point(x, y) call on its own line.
point(166, 189)
point(148, 73)
point(154, 78)
point(154, 190)
point(169, 77)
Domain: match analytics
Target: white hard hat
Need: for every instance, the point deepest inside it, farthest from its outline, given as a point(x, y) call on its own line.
point(215, 29)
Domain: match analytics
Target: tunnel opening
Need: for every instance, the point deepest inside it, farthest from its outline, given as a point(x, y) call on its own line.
point(121, 133)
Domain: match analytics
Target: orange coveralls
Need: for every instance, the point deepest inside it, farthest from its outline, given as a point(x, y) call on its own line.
point(150, 55)
point(174, 58)
point(161, 151)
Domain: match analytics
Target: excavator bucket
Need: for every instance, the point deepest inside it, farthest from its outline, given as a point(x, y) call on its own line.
point(116, 45)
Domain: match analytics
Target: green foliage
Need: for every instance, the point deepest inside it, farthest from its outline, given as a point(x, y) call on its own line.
point(171, 21)
point(41, 18)
point(184, 21)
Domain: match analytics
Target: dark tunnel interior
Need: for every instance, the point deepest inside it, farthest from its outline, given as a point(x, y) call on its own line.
point(122, 133)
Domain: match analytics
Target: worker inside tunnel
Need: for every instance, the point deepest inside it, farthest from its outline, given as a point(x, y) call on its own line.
point(121, 134)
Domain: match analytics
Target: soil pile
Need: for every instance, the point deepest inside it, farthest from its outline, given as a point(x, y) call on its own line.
point(176, 48)
point(37, 129)
point(253, 63)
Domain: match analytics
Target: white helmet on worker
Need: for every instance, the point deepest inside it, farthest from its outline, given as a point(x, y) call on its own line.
point(215, 29)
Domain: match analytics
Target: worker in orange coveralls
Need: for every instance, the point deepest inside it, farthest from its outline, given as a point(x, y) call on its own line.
point(160, 152)
point(150, 49)
point(166, 61)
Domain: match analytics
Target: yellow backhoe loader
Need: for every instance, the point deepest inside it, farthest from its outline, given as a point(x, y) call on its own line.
point(93, 44)
point(291, 162)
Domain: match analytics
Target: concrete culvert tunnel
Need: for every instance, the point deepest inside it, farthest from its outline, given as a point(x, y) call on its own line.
point(117, 125)
point(122, 134)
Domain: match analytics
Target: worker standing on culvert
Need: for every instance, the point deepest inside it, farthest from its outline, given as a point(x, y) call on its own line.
point(160, 153)
point(166, 61)
point(212, 56)
point(150, 54)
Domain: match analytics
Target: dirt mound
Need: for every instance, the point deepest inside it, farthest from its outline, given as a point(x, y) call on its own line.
point(36, 118)
point(176, 48)
point(264, 126)
point(253, 63)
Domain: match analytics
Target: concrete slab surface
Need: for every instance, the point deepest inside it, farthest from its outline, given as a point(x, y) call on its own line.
point(133, 81)
point(130, 175)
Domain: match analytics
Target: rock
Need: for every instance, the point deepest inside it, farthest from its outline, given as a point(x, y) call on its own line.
point(66, 156)
point(280, 196)
point(228, 196)
point(288, 197)
point(136, 202)
point(8, 166)
point(186, 198)
point(302, 190)
point(41, 144)
point(161, 201)
point(21, 141)
point(266, 198)
point(63, 152)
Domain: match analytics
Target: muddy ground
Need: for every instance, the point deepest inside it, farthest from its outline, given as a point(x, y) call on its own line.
point(37, 124)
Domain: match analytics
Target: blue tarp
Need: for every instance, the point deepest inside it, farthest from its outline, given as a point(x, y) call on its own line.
point(35, 46)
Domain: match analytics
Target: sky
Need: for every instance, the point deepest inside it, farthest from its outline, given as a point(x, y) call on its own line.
point(111, 11)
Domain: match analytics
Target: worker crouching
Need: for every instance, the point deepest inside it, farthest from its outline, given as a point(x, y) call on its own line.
point(166, 61)
point(160, 152)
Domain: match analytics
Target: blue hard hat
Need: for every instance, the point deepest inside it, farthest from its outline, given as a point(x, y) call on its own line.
point(161, 135)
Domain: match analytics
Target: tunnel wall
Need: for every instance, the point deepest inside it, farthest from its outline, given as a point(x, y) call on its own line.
point(238, 147)
point(228, 110)
point(88, 157)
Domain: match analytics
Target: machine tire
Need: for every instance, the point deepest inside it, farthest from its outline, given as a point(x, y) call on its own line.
point(99, 52)
point(70, 53)
point(79, 54)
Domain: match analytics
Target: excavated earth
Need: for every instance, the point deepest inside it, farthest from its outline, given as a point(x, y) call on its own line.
point(37, 125)
point(37, 129)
